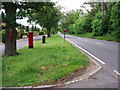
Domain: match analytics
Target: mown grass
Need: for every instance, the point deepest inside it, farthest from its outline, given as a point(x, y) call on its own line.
point(105, 37)
point(44, 64)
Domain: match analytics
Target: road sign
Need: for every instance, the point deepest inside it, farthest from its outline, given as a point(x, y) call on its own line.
point(65, 30)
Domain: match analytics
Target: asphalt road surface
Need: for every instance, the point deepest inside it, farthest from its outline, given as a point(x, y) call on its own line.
point(107, 53)
point(20, 44)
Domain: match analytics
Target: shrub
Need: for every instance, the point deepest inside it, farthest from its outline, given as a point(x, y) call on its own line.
point(20, 33)
point(3, 35)
point(41, 33)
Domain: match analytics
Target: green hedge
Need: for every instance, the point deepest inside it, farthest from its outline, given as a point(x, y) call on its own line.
point(2, 35)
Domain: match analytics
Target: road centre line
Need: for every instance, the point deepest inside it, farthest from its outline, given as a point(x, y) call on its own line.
point(70, 36)
point(116, 72)
point(87, 52)
point(99, 43)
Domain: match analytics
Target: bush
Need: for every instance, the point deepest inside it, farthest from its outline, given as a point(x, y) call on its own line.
point(3, 35)
point(20, 33)
point(25, 33)
point(41, 33)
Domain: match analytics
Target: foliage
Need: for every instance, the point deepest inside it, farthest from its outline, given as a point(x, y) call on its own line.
point(20, 33)
point(2, 33)
point(115, 21)
point(101, 21)
point(70, 18)
point(105, 37)
point(24, 9)
point(27, 28)
point(97, 24)
point(44, 30)
point(48, 19)
point(41, 33)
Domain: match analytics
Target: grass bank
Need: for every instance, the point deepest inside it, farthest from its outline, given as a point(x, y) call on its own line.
point(106, 37)
point(44, 64)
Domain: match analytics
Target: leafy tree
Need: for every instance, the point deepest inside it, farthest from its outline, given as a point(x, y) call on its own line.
point(115, 20)
point(72, 29)
point(10, 43)
point(47, 20)
point(103, 19)
point(21, 32)
point(97, 24)
point(70, 18)
point(11, 12)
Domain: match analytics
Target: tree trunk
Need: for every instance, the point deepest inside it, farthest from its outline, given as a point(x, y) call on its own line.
point(102, 9)
point(10, 41)
point(21, 35)
point(48, 32)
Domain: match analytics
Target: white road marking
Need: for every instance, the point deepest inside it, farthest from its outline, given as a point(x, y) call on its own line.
point(87, 52)
point(85, 40)
point(99, 43)
point(78, 38)
point(70, 36)
point(116, 72)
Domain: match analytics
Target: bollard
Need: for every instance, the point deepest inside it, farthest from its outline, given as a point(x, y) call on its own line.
point(43, 39)
point(30, 40)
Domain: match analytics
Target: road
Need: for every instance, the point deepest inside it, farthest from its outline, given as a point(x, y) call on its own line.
point(20, 44)
point(105, 51)
point(107, 54)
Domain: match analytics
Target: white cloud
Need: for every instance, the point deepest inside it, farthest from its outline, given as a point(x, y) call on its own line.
point(70, 4)
point(25, 23)
point(67, 4)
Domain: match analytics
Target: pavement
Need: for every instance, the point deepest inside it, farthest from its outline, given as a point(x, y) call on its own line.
point(20, 43)
point(106, 55)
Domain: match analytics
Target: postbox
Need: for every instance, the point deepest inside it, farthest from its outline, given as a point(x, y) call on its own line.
point(43, 39)
point(30, 40)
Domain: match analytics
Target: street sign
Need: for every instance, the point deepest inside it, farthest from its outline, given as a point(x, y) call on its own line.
point(65, 30)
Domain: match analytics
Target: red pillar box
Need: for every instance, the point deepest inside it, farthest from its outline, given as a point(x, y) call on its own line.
point(30, 40)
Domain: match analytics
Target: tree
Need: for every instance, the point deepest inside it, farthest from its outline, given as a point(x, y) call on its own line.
point(70, 18)
point(114, 25)
point(10, 10)
point(10, 41)
point(47, 20)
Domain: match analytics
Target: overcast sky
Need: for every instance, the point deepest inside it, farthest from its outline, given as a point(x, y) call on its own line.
point(66, 4)
point(70, 4)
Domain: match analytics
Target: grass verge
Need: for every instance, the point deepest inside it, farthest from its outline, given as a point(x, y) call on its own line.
point(106, 37)
point(44, 64)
